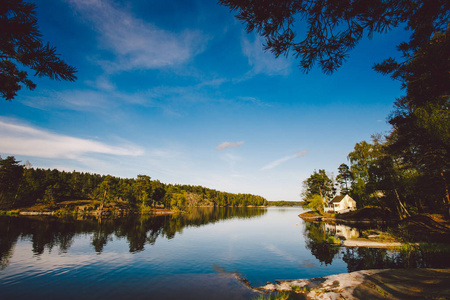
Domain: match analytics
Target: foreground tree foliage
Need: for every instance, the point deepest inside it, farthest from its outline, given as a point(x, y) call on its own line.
point(334, 27)
point(421, 121)
point(25, 186)
point(20, 42)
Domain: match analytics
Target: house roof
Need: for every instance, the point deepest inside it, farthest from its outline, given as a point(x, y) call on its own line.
point(337, 199)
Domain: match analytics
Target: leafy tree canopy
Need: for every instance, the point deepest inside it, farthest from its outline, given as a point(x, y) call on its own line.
point(318, 184)
point(20, 43)
point(334, 27)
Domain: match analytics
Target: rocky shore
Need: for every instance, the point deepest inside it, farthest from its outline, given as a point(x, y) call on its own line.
point(370, 284)
point(88, 208)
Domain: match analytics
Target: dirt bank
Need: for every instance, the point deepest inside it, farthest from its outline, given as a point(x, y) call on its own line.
point(369, 244)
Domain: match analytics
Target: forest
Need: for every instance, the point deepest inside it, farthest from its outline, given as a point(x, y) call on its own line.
point(378, 176)
point(24, 186)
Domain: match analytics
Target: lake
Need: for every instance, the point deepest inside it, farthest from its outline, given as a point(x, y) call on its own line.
point(188, 256)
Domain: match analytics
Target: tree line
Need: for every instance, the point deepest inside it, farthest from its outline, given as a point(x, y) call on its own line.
point(24, 186)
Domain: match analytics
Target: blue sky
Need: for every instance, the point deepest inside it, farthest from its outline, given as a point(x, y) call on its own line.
point(177, 90)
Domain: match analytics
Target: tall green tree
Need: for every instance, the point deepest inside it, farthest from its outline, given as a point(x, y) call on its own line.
point(363, 156)
point(106, 190)
point(158, 191)
point(143, 190)
point(318, 184)
point(421, 121)
point(344, 179)
point(334, 27)
point(20, 43)
point(10, 180)
point(390, 184)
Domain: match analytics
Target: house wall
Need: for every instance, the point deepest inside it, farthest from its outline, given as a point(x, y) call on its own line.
point(342, 206)
point(346, 204)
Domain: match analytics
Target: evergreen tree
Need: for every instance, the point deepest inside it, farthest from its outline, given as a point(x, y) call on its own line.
point(334, 27)
point(344, 179)
point(10, 180)
point(421, 121)
point(20, 42)
point(143, 190)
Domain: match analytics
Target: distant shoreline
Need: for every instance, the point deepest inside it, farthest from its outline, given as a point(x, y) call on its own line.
point(91, 208)
point(55, 213)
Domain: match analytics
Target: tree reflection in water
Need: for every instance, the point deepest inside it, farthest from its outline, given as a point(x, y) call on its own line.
point(48, 232)
point(318, 241)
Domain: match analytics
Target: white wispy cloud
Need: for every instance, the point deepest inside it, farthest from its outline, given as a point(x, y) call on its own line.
point(278, 162)
point(254, 101)
point(22, 139)
point(137, 44)
point(225, 145)
point(103, 96)
point(261, 61)
point(88, 100)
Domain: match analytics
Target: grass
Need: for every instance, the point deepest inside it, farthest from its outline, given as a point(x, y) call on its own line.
point(426, 247)
point(9, 212)
point(379, 236)
point(275, 296)
point(333, 240)
point(297, 293)
point(298, 289)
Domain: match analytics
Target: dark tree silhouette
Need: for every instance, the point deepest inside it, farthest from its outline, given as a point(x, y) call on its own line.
point(20, 43)
point(334, 27)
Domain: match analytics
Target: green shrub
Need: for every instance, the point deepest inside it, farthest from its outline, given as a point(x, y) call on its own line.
point(9, 212)
point(273, 296)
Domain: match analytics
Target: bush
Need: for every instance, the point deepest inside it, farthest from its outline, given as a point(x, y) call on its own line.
point(316, 203)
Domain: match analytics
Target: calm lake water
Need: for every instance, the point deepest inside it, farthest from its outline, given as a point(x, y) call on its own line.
point(190, 256)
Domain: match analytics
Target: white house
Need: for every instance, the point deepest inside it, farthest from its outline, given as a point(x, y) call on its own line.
point(341, 204)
